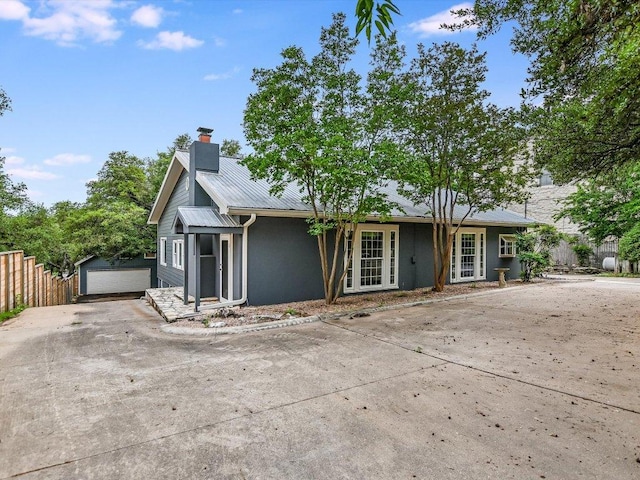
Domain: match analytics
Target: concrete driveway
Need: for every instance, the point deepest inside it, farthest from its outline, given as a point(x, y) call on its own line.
point(538, 382)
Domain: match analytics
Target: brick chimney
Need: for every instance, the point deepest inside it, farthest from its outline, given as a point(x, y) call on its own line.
point(204, 134)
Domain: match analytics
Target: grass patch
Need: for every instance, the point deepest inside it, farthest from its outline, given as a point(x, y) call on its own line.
point(11, 313)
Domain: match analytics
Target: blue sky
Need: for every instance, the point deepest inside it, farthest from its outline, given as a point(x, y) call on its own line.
point(90, 77)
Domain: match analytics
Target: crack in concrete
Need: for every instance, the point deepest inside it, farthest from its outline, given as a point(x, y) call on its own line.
point(489, 372)
point(222, 422)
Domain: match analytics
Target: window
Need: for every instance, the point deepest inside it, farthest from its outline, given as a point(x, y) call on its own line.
point(374, 265)
point(507, 246)
point(163, 251)
point(545, 179)
point(178, 254)
point(468, 255)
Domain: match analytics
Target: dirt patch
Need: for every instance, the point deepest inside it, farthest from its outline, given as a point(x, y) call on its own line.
point(350, 303)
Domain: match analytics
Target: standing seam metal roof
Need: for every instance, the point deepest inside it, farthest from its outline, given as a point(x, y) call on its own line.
point(205, 217)
point(234, 186)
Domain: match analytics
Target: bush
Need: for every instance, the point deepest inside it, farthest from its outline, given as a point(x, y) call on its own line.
point(583, 252)
point(629, 246)
point(534, 250)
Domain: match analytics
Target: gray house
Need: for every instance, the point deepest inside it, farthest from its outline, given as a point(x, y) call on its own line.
point(221, 234)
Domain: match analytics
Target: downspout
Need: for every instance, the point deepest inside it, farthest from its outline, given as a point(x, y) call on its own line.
point(245, 267)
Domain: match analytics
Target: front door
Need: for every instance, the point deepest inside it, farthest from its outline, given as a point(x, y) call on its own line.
point(226, 267)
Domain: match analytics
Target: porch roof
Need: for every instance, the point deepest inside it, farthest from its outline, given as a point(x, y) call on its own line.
point(204, 220)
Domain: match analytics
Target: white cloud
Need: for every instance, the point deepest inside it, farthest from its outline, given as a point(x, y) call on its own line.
point(219, 42)
point(13, 160)
point(222, 76)
point(237, 11)
point(13, 10)
point(32, 173)
point(148, 16)
point(171, 40)
point(432, 25)
point(66, 159)
point(65, 22)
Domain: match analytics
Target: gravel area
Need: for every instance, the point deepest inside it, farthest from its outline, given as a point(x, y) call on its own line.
point(349, 303)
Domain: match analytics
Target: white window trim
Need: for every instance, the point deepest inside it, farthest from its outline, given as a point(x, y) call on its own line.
point(386, 263)
point(178, 254)
point(480, 260)
point(163, 251)
point(507, 238)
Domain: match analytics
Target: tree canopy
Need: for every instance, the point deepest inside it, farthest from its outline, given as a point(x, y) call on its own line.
point(463, 154)
point(607, 207)
point(584, 70)
point(230, 148)
point(309, 124)
point(383, 20)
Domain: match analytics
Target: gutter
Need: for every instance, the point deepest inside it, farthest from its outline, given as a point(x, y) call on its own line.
point(245, 269)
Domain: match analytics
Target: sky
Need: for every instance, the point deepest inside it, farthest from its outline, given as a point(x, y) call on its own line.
point(90, 77)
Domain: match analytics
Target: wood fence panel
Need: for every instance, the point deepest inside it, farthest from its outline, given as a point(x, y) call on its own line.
point(29, 282)
point(40, 302)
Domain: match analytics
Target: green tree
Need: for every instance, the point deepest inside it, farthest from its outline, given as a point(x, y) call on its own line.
point(629, 246)
point(584, 64)
point(122, 178)
point(464, 154)
point(5, 102)
point(383, 20)
point(309, 124)
point(608, 206)
point(12, 198)
point(534, 250)
point(37, 232)
point(157, 168)
point(230, 148)
point(113, 222)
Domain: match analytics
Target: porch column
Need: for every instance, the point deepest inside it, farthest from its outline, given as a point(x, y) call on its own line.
point(197, 267)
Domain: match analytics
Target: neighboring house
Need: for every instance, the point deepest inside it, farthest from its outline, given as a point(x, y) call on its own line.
point(221, 234)
point(545, 201)
point(101, 276)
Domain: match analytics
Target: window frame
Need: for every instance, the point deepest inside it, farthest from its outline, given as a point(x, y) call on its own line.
point(507, 238)
point(390, 269)
point(163, 251)
point(178, 254)
point(480, 256)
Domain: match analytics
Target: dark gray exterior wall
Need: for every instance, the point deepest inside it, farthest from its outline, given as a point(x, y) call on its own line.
point(493, 255)
point(284, 264)
point(179, 197)
point(97, 263)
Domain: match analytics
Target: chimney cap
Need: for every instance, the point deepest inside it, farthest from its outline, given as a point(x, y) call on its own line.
point(205, 131)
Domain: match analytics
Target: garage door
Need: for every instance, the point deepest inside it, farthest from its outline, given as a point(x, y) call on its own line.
point(118, 281)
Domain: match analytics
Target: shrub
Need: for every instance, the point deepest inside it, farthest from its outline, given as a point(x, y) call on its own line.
point(583, 252)
point(629, 246)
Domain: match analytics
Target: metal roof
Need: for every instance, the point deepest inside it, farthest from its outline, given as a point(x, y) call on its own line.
point(199, 219)
point(234, 190)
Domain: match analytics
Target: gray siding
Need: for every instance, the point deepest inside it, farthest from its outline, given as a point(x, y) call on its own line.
point(284, 264)
point(493, 255)
point(180, 197)
point(97, 263)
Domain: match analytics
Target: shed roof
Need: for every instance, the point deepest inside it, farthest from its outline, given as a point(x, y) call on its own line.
point(204, 220)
